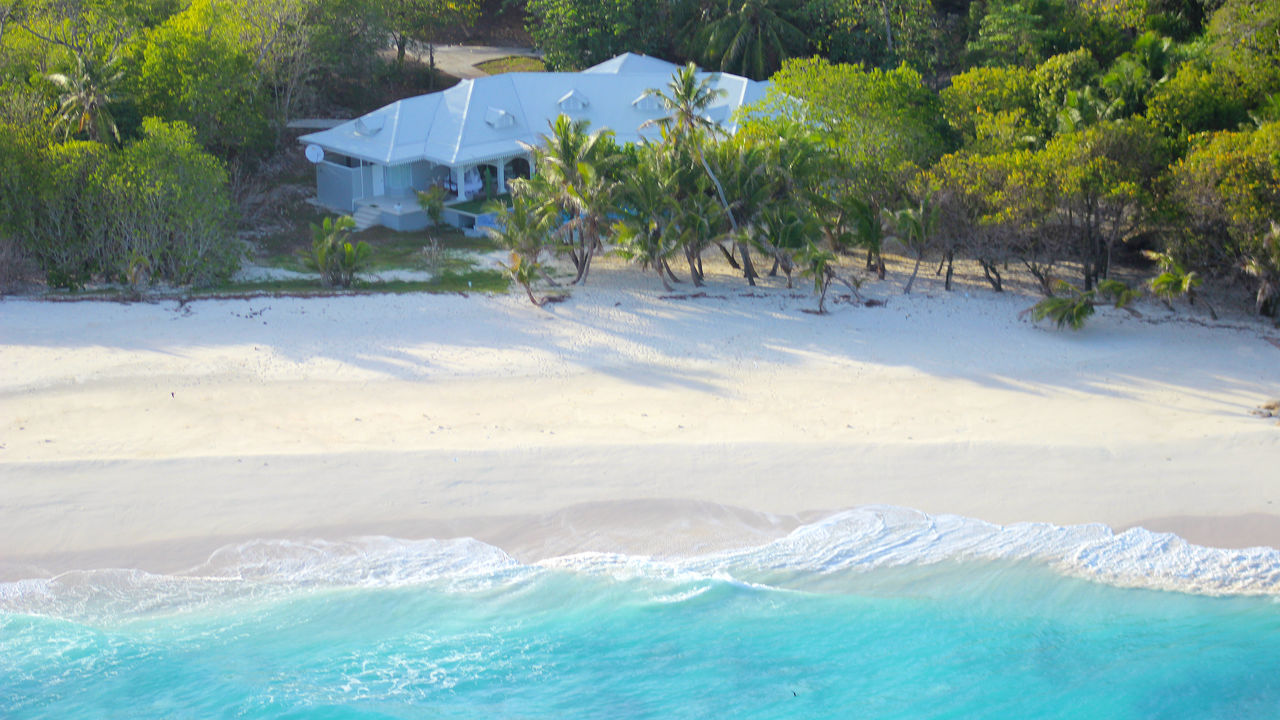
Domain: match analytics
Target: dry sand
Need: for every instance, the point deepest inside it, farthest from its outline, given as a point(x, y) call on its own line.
point(147, 435)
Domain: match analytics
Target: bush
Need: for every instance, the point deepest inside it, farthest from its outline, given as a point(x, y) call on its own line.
point(157, 209)
point(332, 256)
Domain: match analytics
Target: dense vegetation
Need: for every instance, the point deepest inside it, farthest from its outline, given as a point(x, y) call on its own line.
point(1051, 137)
point(129, 126)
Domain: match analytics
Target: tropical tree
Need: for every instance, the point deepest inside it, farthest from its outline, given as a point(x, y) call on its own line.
point(819, 264)
point(84, 100)
point(418, 19)
point(686, 124)
point(747, 37)
point(574, 34)
point(336, 258)
point(914, 227)
point(646, 210)
point(574, 187)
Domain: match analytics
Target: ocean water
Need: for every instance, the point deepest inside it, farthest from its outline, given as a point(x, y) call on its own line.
point(872, 613)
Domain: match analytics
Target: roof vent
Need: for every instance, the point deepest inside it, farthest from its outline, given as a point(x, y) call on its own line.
point(370, 124)
point(574, 101)
point(648, 102)
point(499, 119)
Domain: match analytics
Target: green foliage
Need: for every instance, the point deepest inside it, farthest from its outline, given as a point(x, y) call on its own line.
point(84, 100)
point(1245, 38)
point(1066, 312)
point(1120, 294)
point(432, 203)
point(746, 37)
point(1228, 190)
point(186, 71)
point(874, 33)
point(574, 187)
point(1026, 32)
point(574, 34)
point(1056, 78)
point(1173, 281)
point(977, 95)
point(419, 19)
point(168, 206)
point(160, 205)
point(1196, 100)
point(333, 256)
point(881, 125)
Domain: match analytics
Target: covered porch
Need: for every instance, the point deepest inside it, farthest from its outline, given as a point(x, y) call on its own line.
point(377, 194)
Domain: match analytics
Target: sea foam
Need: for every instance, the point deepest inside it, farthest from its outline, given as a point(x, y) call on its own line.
point(847, 543)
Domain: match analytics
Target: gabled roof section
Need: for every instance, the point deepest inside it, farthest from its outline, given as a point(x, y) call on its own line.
point(493, 117)
point(633, 64)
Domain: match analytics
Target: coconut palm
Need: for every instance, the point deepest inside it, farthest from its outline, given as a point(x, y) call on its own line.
point(646, 208)
point(84, 100)
point(687, 99)
point(914, 229)
point(750, 37)
point(574, 186)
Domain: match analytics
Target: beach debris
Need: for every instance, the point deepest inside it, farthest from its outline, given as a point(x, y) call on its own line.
point(692, 296)
point(1268, 409)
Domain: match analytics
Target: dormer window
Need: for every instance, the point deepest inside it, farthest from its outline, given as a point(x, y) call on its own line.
point(573, 101)
point(648, 102)
point(499, 119)
point(370, 124)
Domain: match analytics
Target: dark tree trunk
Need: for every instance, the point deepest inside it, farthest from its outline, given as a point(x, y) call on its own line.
point(667, 266)
point(907, 290)
point(993, 275)
point(733, 261)
point(748, 269)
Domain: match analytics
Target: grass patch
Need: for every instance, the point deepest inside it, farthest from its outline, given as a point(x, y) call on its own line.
point(481, 206)
point(515, 63)
point(392, 250)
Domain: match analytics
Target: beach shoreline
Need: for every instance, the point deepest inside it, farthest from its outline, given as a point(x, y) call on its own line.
point(148, 435)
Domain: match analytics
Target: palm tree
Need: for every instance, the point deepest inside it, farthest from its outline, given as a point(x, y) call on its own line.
point(915, 227)
point(751, 37)
point(646, 209)
point(574, 187)
point(82, 105)
point(687, 100)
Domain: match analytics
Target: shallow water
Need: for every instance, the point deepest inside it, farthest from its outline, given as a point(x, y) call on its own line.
point(877, 613)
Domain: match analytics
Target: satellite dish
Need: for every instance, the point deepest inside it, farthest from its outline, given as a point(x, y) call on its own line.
point(315, 153)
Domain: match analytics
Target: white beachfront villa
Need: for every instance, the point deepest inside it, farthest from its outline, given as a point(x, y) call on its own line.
point(371, 167)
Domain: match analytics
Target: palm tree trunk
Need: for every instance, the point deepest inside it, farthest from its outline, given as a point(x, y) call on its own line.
point(907, 289)
point(748, 270)
point(670, 273)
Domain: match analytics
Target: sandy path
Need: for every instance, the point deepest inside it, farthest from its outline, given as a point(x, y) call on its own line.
point(147, 435)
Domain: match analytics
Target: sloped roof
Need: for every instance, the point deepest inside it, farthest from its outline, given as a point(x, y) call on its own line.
point(633, 64)
point(489, 117)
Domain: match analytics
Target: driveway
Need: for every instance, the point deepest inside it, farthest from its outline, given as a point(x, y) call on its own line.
point(460, 60)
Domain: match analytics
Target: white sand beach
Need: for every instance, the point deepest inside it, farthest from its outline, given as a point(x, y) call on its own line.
point(147, 435)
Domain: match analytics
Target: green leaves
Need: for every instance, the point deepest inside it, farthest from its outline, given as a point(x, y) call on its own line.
point(1072, 310)
point(1065, 312)
point(336, 259)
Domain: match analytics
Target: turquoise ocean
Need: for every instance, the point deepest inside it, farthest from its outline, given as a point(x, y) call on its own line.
point(872, 613)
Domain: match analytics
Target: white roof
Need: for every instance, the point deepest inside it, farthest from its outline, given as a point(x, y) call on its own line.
point(488, 118)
